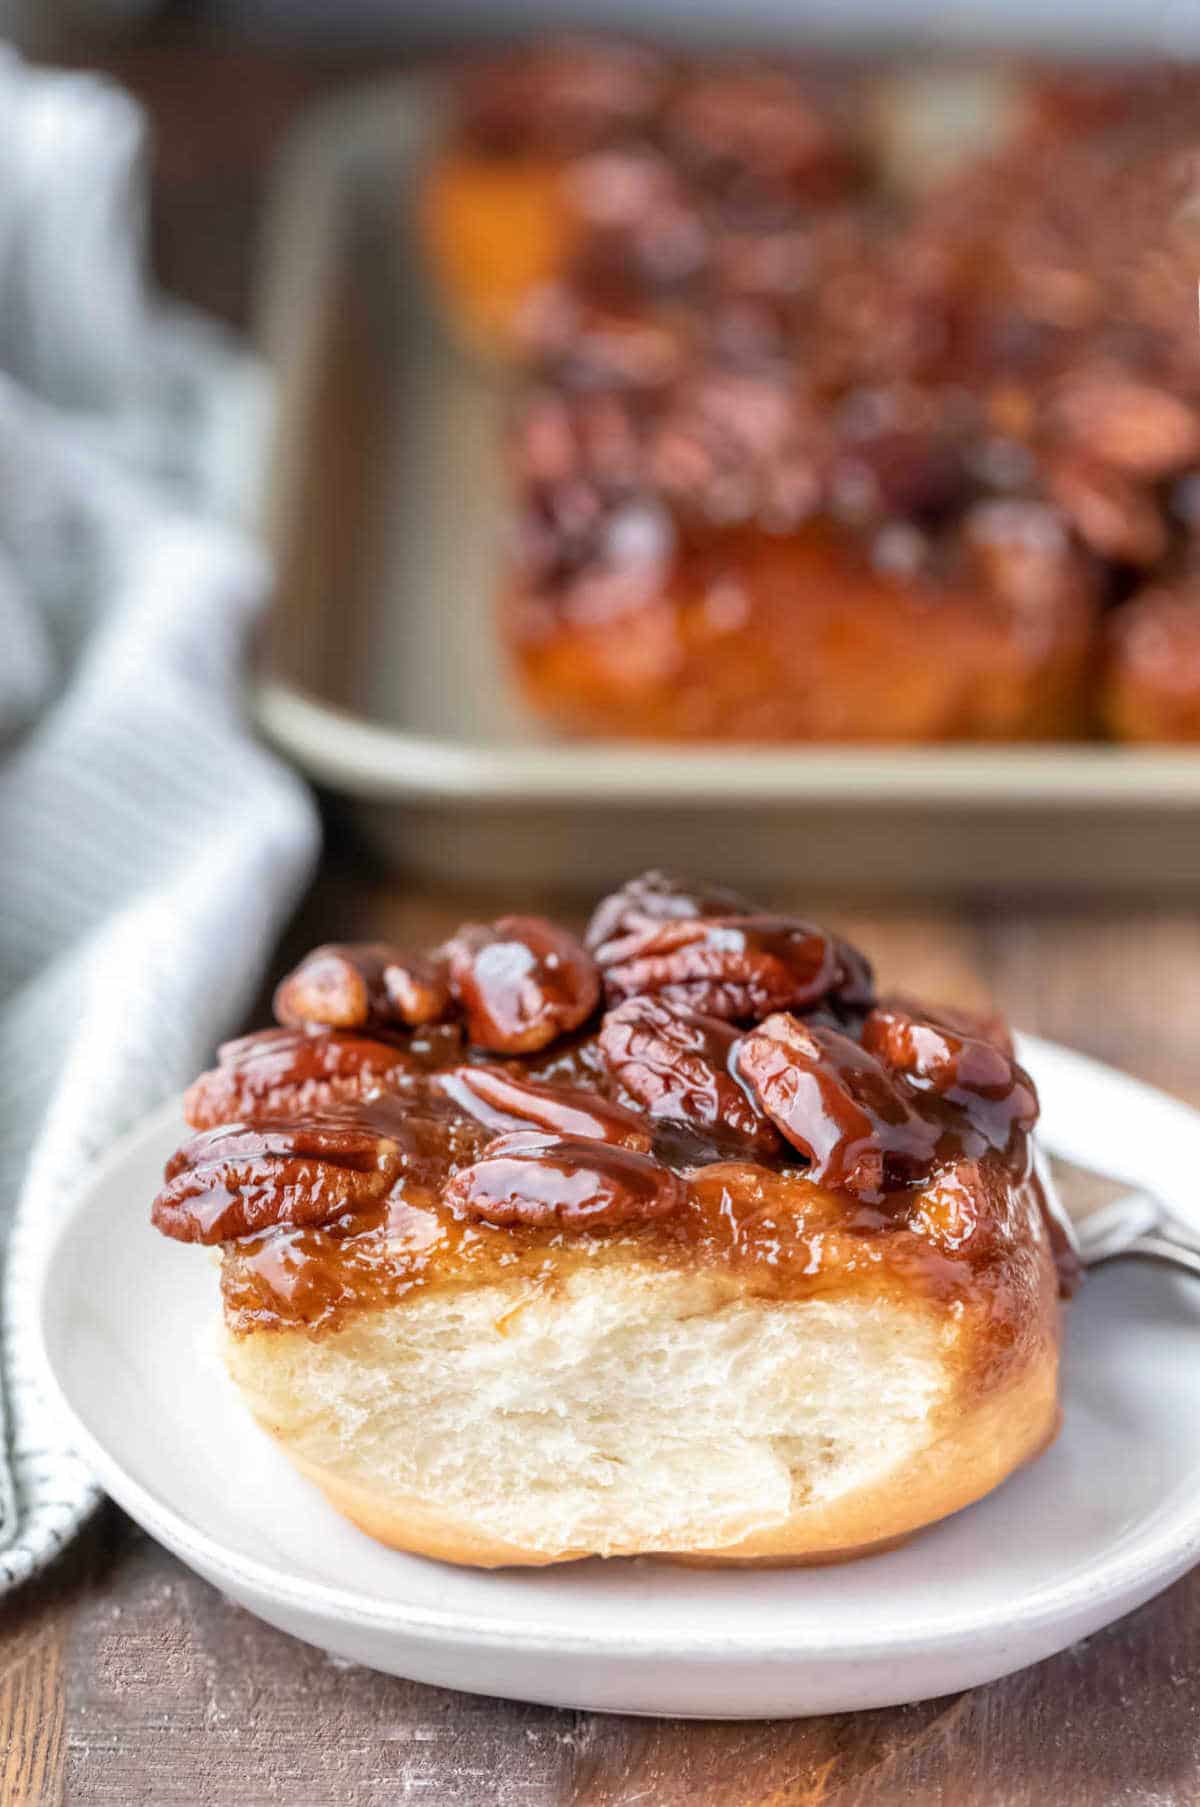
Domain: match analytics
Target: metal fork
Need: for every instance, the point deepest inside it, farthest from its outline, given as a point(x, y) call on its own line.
point(1137, 1225)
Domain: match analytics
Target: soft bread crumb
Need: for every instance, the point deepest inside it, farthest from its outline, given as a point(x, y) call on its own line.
point(629, 1411)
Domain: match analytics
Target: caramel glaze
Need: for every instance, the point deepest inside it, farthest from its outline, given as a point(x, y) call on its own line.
point(700, 1088)
point(966, 1235)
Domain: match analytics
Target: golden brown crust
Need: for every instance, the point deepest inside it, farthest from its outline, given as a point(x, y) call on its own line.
point(785, 666)
point(495, 231)
point(1152, 676)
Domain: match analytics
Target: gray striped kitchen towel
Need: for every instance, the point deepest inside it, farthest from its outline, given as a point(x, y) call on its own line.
point(149, 850)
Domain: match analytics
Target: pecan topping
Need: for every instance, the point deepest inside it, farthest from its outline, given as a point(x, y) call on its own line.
point(500, 1103)
point(1153, 680)
point(591, 341)
point(654, 898)
point(343, 1169)
point(284, 1072)
point(1022, 551)
point(939, 1053)
point(732, 446)
point(838, 1104)
point(540, 1180)
point(237, 1181)
point(676, 1062)
point(561, 96)
point(1111, 512)
point(521, 982)
point(982, 1025)
point(755, 126)
point(1135, 426)
point(898, 453)
point(364, 984)
point(737, 967)
point(642, 228)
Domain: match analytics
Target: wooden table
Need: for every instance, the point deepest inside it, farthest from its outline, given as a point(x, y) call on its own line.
point(125, 1679)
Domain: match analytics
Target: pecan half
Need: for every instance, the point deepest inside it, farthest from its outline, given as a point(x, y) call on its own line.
point(676, 1062)
point(1112, 512)
point(1135, 426)
point(284, 1072)
point(936, 1053)
point(237, 1181)
point(838, 1105)
point(1022, 551)
point(579, 1185)
point(757, 126)
point(361, 984)
point(984, 1025)
point(521, 982)
point(737, 967)
point(653, 898)
point(560, 96)
point(501, 1103)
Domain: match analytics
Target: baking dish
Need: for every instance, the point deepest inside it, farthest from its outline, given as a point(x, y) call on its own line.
point(382, 676)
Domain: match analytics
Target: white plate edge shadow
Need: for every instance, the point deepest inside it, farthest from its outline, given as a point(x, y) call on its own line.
point(1092, 1596)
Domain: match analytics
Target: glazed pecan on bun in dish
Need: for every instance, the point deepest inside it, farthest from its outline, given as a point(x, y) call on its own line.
point(806, 451)
point(673, 1240)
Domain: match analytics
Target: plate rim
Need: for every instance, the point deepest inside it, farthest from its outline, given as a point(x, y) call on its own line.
point(1156, 1558)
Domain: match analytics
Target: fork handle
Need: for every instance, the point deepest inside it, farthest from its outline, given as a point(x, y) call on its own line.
point(1164, 1248)
point(1137, 1225)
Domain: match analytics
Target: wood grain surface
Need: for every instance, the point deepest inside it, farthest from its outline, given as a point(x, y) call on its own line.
point(125, 1679)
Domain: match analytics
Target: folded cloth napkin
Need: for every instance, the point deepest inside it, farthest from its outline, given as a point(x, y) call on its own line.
point(149, 850)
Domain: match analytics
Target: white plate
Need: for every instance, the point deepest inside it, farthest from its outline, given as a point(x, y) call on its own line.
point(1105, 1519)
